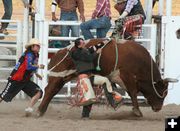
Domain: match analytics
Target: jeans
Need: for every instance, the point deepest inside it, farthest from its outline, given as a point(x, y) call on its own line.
point(7, 12)
point(65, 29)
point(102, 25)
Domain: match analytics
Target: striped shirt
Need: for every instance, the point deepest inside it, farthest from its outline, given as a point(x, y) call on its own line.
point(130, 4)
point(102, 9)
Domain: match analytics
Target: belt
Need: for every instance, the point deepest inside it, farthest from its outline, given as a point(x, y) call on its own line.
point(68, 11)
point(103, 16)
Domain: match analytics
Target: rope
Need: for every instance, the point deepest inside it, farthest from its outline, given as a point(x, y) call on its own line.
point(99, 57)
point(152, 78)
point(117, 57)
point(62, 58)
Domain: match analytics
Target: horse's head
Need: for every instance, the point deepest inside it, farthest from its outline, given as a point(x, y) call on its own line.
point(160, 89)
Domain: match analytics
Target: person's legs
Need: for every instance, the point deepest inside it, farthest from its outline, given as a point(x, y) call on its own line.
point(75, 28)
point(11, 90)
point(99, 24)
point(86, 111)
point(7, 13)
point(34, 91)
point(35, 98)
point(65, 29)
point(85, 29)
point(118, 29)
point(105, 25)
point(113, 97)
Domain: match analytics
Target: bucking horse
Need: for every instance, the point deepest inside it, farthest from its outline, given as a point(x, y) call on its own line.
point(127, 64)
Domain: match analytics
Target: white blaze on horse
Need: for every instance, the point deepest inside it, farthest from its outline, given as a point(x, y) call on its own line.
point(129, 65)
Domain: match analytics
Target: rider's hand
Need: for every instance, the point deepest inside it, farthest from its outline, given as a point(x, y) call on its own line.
point(99, 51)
point(39, 76)
point(82, 18)
point(54, 17)
point(41, 66)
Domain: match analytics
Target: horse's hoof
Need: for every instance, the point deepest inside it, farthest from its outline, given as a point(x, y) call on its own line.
point(137, 112)
point(39, 114)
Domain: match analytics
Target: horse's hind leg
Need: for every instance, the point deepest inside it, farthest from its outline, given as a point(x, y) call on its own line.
point(51, 89)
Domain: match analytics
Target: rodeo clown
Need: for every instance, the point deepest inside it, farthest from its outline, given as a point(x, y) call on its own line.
point(83, 59)
point(131, 14)
point(20, 77)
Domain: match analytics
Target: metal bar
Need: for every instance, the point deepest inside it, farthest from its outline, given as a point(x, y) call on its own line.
point(168, 7)
point(153, 41)
point(53, 50)
point(3, 81)
point(65, 23)
point(6, 69)
point(161, 7)
point(8, 45)
point(9, 21)
point(7, 57)
point(62, 38)
point(9, 35)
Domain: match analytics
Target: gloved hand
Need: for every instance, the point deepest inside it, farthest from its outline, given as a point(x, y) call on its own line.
point(124, 14)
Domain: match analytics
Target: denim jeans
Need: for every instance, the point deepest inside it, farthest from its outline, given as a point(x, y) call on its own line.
point(102, 25)
point(7, 12)
point(65, 29)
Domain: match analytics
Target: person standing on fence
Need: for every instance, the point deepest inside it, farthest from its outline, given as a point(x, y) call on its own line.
point(7, 16)
point(83, 59)
point(68, 13)
point(20, 77)
point(8, 8)
point(101, 21)
point(131, 14)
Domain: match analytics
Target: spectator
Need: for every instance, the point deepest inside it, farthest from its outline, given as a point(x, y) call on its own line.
point(55, 31)
point(21, 74)
point(7, 16)
point(8, 8)
point(68, 13)
point(101, 21)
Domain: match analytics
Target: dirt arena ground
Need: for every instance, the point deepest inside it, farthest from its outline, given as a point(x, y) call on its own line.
point(63, 118)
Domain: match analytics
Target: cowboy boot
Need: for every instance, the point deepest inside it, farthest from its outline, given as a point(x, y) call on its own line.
point(86, 111)
point(113, 98)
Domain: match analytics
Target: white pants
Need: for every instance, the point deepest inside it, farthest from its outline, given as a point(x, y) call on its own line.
point(100, 80)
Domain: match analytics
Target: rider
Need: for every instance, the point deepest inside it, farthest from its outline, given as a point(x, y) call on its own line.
point(131, 14)
point(83, 59)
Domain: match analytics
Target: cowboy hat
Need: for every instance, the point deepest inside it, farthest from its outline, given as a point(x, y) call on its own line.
point(120, 1)
point(33, 41)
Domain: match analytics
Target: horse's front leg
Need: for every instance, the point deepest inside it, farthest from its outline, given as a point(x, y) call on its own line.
point(53, 87)
point(135, 104)
point(132, 90)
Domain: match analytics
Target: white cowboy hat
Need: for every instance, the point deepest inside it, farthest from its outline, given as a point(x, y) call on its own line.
point(33, 41)
point(120, 1)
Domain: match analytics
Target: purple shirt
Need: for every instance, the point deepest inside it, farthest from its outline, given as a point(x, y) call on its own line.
point(102, 9)
point(130, 5)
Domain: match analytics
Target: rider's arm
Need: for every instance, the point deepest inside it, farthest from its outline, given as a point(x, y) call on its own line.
point(129, 6)
point(84, 55)
point(53, 9)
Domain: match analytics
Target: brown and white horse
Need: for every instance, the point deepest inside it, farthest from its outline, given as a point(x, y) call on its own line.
point(137, 72)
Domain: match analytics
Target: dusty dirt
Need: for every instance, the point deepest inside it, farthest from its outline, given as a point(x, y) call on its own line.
point(63, 118)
